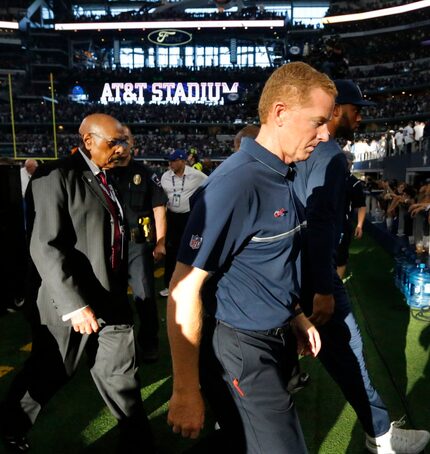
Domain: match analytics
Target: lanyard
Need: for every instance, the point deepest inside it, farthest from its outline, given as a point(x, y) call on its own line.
point(183, 183)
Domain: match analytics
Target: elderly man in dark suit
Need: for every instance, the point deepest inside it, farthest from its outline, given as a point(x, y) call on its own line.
point(77, 248)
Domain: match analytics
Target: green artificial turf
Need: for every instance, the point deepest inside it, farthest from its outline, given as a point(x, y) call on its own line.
point(397, 352)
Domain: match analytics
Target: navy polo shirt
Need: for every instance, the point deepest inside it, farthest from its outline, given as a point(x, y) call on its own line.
point(320, 185)
point(244, 229)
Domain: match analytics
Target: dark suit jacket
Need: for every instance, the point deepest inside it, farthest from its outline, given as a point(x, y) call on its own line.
point(71, 245)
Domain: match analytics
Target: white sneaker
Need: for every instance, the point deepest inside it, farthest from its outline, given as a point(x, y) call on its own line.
point(398, 441)
point(164, 292)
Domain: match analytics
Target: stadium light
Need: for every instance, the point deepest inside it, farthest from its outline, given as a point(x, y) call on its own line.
point(377, 13)
point(9, 24)
point(170, 24)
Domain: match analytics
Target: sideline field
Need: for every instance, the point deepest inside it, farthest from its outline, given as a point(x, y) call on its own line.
point(397, 351)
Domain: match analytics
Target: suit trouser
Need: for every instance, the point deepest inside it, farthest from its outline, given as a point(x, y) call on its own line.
point(55, 356)
point(256, 369)
point(141, 280)
point(176, 223)
point(342, 356)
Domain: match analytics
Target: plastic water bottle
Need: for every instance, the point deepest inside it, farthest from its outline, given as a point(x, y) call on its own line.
point(407, 269)
point(418, 295)
point(399, 261)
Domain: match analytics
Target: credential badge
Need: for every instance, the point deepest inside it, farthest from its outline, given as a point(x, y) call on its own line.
point(195, 242)
point(137, 179)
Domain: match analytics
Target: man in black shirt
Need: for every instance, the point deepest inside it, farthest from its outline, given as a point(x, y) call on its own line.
point(354, 199)
point(144, 202)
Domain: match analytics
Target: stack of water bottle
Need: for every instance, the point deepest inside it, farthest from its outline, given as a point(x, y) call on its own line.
point(412, 277)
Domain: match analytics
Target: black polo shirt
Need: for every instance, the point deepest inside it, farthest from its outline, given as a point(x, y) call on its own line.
point(140, 191)
point(244, 228)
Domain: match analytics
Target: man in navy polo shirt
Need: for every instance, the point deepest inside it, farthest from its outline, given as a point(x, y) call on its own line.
point(243, 232)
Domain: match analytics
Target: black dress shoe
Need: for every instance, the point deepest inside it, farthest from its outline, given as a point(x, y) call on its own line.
point(15, 443)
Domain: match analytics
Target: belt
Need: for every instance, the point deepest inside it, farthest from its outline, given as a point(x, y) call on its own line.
point(276, 332)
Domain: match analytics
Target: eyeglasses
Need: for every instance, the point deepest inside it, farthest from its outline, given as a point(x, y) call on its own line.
point(113, 143)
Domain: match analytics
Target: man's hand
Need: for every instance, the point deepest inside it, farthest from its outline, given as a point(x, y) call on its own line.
point(85, 321)
point(186, 413)
point(308, 338)
point(358, 232)
point(416, 208)
point(159, 251)
point(323, 308)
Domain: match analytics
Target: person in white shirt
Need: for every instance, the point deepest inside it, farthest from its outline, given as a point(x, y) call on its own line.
point(408, 134)
point(30, 166)
point(400, 141)
point(179, 183)
point(418, 134)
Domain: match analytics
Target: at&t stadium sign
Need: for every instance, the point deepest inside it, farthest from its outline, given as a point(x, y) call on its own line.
point(169, 92)
point(170, 37)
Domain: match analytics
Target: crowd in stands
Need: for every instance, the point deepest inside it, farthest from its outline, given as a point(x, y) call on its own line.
point(344, 7)
point(380, 22)
point(159, 141)
point(392, 69)
point(184, 74)
point(70, 112)
point(402, 208)
point(172, 14)
point(399, 106)
point(410, 138)
point(407, 80)
point(11, 10)
point(378, 49)
point(154, 145)
point(398, 69)
point(300, 25)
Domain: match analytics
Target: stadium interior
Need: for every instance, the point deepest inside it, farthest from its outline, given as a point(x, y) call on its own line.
point(187, 74)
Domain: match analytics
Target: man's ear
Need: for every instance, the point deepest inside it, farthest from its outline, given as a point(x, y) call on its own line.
point(87, 140)
point(337, 111)
point(280, 113)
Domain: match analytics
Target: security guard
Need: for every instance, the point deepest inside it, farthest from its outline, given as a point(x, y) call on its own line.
point(193, 160)
point(144, 200)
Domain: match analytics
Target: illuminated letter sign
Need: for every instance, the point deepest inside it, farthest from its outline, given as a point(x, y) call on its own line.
point(170, 37)
point(213, 93)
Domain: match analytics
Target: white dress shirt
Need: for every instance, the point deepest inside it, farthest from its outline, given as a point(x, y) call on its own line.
point(180, 189)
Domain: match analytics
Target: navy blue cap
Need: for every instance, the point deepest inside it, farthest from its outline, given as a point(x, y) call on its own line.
point(177, 154)
point(349, 93)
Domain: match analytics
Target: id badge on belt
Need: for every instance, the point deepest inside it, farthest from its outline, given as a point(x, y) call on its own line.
point(176, 200)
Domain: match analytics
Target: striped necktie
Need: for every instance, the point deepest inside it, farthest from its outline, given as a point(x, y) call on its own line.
point(114, 211)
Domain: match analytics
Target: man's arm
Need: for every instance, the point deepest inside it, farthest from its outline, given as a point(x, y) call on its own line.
point(50, 252)
point(416, 208)
point(160, 228)
point(361, 216)
point(184, 323)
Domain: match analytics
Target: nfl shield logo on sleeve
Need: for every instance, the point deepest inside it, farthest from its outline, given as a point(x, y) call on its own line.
point(195, 242)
